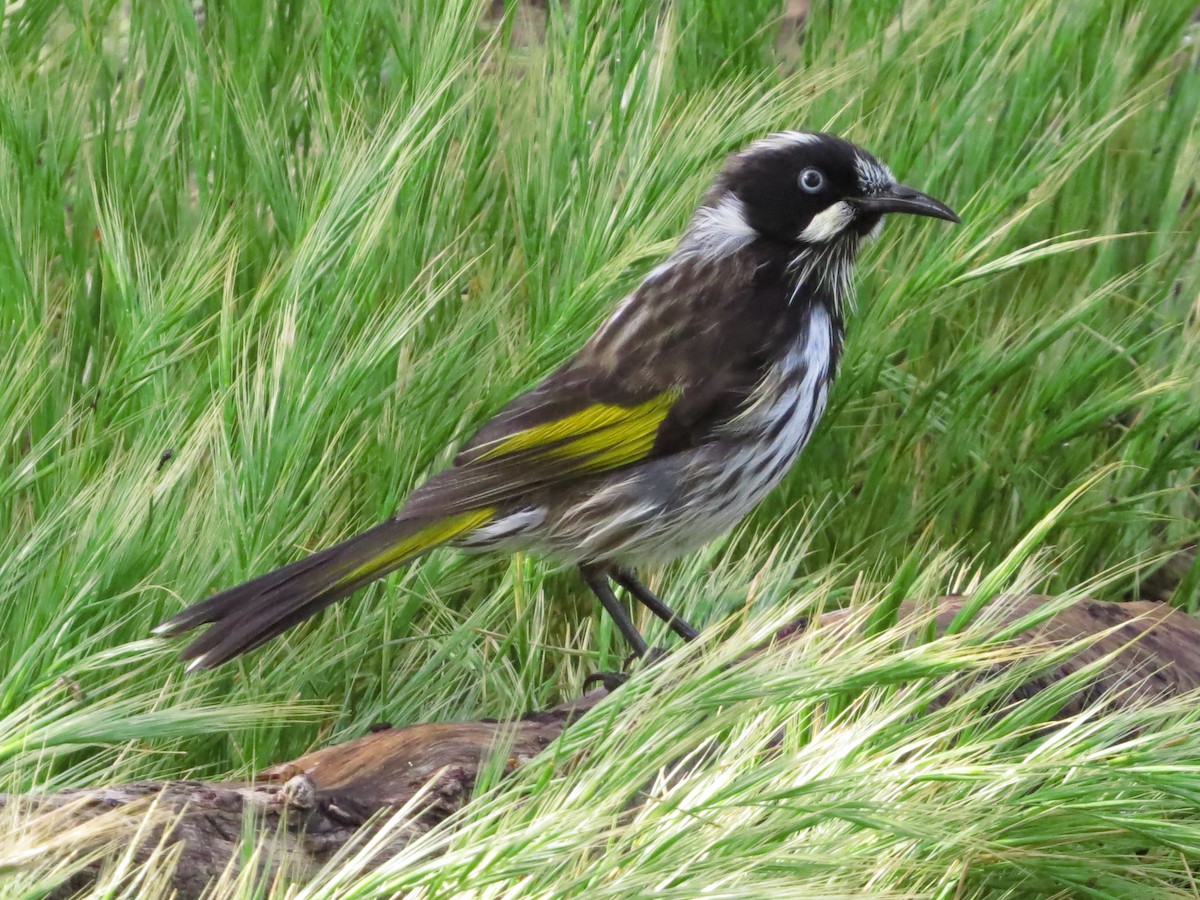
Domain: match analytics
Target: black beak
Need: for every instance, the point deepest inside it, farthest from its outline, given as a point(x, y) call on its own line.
point(900, 198)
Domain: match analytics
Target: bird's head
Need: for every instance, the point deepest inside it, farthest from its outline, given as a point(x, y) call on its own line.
point(805, 188)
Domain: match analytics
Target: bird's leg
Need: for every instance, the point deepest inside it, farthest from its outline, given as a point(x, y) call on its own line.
point(597, 579)
point(643, 595)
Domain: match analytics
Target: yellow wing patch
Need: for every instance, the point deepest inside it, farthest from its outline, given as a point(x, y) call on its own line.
point(606, 434)
point(438, 533)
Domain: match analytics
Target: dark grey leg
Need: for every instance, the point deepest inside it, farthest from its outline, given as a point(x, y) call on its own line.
point(642, 594)
point(597, 580)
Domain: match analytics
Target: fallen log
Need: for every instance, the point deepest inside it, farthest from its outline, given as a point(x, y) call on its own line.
point(312, 806)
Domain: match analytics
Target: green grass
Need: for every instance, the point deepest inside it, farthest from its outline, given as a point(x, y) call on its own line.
point(308, 249)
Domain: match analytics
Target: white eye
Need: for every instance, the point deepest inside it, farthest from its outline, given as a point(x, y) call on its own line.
point(812, 180)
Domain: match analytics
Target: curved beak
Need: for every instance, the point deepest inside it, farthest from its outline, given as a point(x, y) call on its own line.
point(900, 198)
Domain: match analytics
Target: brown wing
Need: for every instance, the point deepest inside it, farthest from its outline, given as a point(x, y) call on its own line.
point(675, 362)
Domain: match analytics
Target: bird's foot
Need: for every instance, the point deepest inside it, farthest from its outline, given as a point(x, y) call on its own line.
point(610, 681)
point(649, 658)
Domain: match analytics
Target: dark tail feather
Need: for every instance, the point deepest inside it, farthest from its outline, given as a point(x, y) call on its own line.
point(249, 615)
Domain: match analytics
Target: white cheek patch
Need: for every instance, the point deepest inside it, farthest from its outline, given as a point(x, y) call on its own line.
point(828, 223)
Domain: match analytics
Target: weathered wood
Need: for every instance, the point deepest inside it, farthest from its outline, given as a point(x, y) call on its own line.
point(313, 805)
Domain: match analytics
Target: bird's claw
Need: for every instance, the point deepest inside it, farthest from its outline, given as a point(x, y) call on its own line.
point(613, 680)
point(610, 681)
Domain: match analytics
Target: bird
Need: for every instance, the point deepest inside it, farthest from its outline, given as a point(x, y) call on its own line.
point(667, 426)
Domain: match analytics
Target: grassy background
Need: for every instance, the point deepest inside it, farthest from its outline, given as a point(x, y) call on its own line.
point(261, 267)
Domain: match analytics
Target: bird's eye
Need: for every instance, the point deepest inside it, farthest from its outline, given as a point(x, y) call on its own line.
point(812, 180)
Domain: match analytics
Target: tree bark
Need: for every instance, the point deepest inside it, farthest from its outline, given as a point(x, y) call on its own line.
point(313, 805)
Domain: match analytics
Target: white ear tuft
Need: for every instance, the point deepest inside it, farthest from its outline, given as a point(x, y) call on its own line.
point(720, 229)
